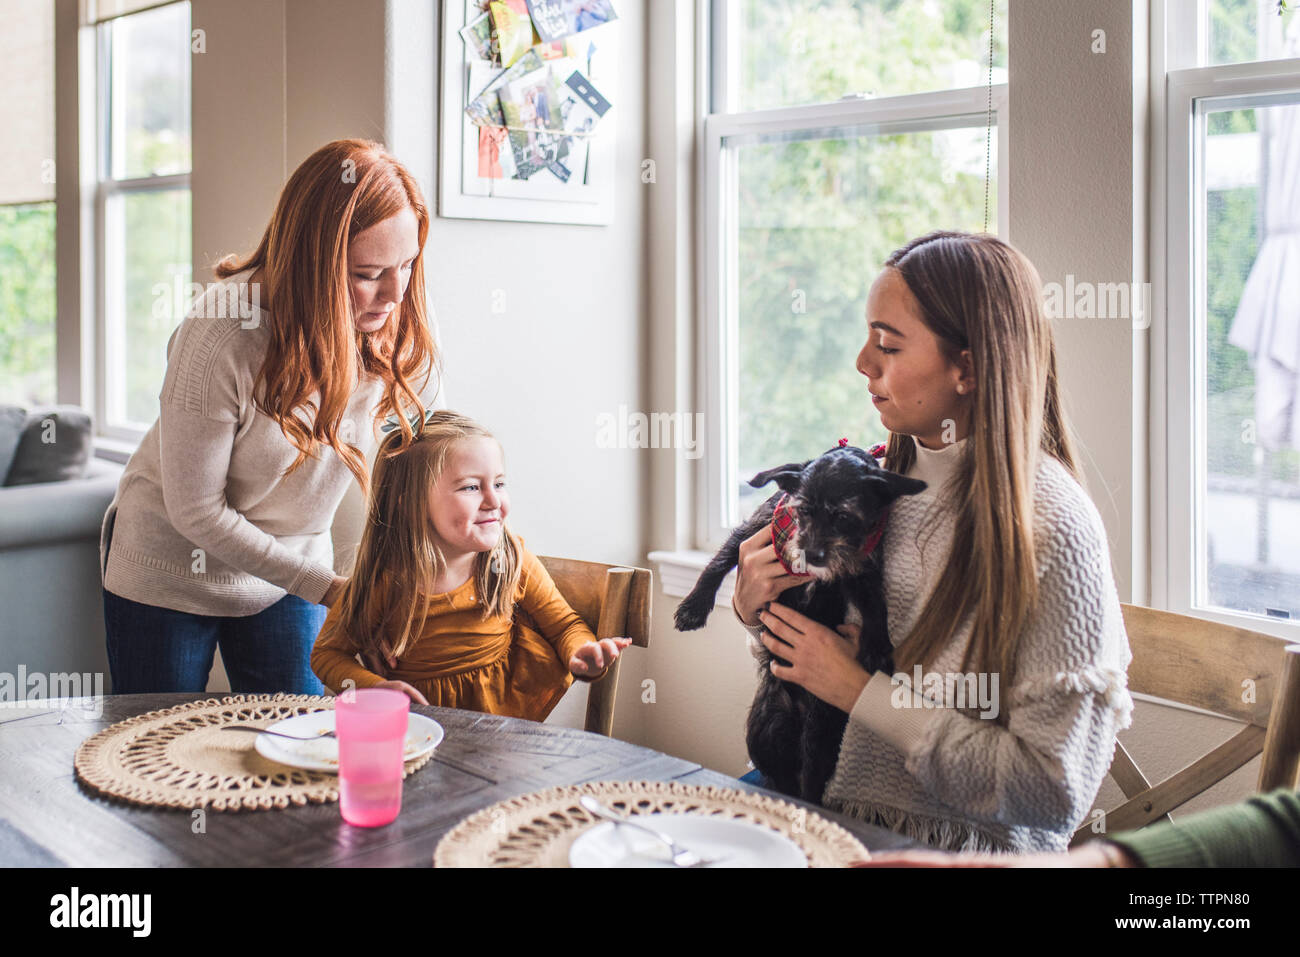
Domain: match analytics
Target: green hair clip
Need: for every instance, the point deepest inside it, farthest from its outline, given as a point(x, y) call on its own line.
point(392, 423)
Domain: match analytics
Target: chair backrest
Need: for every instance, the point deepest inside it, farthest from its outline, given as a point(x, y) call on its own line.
point(614, 601)
point(1241, 674)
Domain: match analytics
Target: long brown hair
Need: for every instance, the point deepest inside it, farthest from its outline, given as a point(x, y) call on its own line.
point(979, 293)
point(343, 188)
point(385, 604)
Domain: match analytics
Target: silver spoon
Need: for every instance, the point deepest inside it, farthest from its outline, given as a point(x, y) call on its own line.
point(278, 734)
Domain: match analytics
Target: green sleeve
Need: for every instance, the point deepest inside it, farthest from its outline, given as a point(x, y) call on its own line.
point(1263, 831)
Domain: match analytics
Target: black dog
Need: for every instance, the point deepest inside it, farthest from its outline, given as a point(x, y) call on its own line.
point(837, 505)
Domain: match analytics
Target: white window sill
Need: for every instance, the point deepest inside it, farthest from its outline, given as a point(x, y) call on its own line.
point(114, 450)
point(679, 570)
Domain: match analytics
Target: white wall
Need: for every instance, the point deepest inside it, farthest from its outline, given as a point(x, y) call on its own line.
point(1073, 203)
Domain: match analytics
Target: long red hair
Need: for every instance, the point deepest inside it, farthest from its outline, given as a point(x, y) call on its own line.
point(343, 188)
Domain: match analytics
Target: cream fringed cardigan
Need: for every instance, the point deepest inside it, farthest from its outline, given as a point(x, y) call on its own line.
point(948, 776)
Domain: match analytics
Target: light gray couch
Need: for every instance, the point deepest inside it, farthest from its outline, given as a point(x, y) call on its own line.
point(51, 606)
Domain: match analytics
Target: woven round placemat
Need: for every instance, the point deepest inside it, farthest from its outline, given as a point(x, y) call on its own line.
point(536, 830)
point(179, 758)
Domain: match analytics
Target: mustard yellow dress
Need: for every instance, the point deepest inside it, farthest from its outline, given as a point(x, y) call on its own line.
point(509, 665)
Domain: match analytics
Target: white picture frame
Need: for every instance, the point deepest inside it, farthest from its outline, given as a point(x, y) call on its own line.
point(542, 198)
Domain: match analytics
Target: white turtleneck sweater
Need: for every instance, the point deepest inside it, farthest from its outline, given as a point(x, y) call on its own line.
point(959, 781)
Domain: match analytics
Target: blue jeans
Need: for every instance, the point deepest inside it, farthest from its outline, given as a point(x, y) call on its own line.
point(152, 649)
point(756, 777)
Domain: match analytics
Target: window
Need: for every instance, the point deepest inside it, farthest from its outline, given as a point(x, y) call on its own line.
point(142, 208)
point(837, 132)
point(1232, 342)
point(27, 291)
point(1239, 31)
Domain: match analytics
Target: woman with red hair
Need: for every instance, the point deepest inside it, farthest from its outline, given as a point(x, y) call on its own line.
point(277, 380)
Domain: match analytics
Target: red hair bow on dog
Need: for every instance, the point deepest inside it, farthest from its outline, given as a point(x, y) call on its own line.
point(876, 451)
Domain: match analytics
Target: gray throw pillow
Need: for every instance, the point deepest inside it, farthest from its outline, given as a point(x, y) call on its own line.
point(12, 419)
point(55, 446)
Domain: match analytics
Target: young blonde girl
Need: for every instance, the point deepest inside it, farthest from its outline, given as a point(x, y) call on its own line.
point(999, 570)
point(444, 603)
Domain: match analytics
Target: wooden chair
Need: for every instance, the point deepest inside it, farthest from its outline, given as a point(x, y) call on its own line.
point(1211, 666)
point(614, 601)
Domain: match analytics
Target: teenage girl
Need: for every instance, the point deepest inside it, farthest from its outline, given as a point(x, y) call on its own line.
point(998, 582)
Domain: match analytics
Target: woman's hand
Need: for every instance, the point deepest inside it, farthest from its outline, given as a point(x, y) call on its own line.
point(334, 591)
point(821, 661)
point(591, 659)
point(759, 576)
point(406, 689)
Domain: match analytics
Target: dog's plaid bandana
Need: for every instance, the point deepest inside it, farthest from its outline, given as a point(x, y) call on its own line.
point(784, 524)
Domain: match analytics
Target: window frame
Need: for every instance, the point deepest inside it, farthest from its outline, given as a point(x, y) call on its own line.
point(107, 263)
point(1177, 380)
point(717, 372)
point(1190, 92)
point(50, 203)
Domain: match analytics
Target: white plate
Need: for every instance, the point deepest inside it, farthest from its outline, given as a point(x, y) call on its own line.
point(734, 843)
point(422, 736)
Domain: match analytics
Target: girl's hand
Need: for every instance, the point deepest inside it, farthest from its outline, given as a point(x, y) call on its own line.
point(406, 689)
point(759, 576)
point(821, 661)
point(591, 660)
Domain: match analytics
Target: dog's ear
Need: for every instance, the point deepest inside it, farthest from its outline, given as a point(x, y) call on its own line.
point(786, 476)
point(891, 485)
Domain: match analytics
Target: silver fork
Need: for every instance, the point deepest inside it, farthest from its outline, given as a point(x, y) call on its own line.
point(278, 734)
point(681, 856)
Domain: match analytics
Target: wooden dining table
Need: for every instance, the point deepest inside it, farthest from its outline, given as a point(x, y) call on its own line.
point(48, 818)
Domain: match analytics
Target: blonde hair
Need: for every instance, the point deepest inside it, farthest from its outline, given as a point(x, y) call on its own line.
point(976, 292)
point(385, 604)
point(314, 343)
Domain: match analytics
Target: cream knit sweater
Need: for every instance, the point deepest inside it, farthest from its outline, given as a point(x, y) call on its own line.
point(946, 775)
point(204, 520)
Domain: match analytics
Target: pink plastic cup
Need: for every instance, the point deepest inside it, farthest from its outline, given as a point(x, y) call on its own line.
point(371, 728)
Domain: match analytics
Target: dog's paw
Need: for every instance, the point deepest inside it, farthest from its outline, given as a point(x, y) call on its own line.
point(691, 614)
